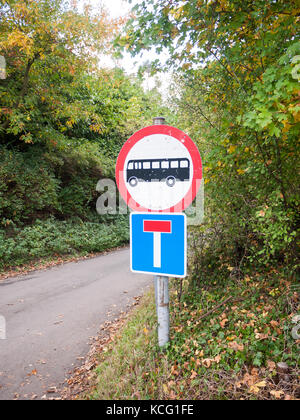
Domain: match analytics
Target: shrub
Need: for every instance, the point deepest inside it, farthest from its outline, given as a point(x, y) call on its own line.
point(28, 187)
point(46, 181)
point(51, 237)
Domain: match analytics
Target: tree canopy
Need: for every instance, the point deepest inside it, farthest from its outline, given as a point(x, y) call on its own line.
point(48, 48)
point(237, 74)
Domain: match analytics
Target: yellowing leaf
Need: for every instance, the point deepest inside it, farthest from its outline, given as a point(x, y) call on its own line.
point(231, 338)
point(254, 389)
point(231, 149)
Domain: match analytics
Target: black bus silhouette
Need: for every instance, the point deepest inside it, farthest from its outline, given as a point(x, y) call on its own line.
point(161, 170)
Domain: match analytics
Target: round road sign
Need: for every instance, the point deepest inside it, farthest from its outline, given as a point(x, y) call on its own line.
point(159, 169)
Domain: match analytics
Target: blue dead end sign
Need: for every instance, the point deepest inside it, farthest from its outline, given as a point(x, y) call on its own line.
point(158, 244)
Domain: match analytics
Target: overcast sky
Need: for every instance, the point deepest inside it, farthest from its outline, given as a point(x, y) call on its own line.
point(121, 8)
point(117, 8)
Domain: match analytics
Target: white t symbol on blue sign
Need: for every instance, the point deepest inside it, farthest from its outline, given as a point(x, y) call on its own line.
point(158, 244)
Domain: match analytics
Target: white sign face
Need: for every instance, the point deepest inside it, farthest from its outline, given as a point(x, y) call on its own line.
point(158, 171)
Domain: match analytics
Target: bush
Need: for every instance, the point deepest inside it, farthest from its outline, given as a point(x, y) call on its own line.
point(42, 182)
point(51, 238)
point(28, 188)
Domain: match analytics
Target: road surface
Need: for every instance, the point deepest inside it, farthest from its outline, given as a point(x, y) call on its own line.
point(51, 315)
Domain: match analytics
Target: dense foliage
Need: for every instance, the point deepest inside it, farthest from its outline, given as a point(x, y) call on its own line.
point(48, 49)
point(237, 74)
point(226, 339)
point(63, 120)
point(51, 239)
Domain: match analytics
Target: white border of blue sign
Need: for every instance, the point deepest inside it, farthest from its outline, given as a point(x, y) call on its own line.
point(185, 244)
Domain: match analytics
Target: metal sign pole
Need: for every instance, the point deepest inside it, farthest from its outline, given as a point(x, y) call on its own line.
point(161, 285)
point(163, 314)
point(158, 171)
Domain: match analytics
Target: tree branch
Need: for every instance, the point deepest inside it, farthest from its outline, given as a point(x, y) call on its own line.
point(24, 88)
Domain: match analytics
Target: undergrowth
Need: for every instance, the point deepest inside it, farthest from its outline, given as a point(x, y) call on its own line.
point(226, 341)
point(53, 238)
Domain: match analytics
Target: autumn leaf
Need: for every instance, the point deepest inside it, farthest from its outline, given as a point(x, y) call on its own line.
point(260, 336)
point(255, 389)
point(235, 346)
point(223, 322)
point(32, 373)
point(231, 149)
point(193, 375)
point(217, 359)
point(174, 370)
point(277, 394)
point(231, 337)
point(207, 362)
point(271, 365)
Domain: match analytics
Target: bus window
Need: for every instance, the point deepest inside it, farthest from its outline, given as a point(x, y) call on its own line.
point(146, 165)
point(130, 165)
point(155, 165)
point(165, 164)
point(175, 164)
point(184, 164)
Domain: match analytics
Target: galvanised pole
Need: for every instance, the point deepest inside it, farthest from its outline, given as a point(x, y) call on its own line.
point(161, 284)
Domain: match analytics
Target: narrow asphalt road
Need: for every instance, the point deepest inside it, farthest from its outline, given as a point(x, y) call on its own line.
point(51, 315)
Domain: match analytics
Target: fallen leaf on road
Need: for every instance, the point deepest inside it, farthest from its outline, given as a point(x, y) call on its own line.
point(52, 390)
point(32, 373)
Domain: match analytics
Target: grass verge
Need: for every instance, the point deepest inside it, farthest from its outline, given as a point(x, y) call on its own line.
point(226, 342)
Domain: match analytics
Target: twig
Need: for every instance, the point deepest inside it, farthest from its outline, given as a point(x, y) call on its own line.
point(215, 308)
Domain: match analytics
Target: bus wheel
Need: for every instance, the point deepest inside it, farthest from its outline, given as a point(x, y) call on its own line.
point(171, 181)
point(133, 181)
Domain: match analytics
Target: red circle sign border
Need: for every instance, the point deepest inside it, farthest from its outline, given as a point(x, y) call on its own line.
point(180, 136)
